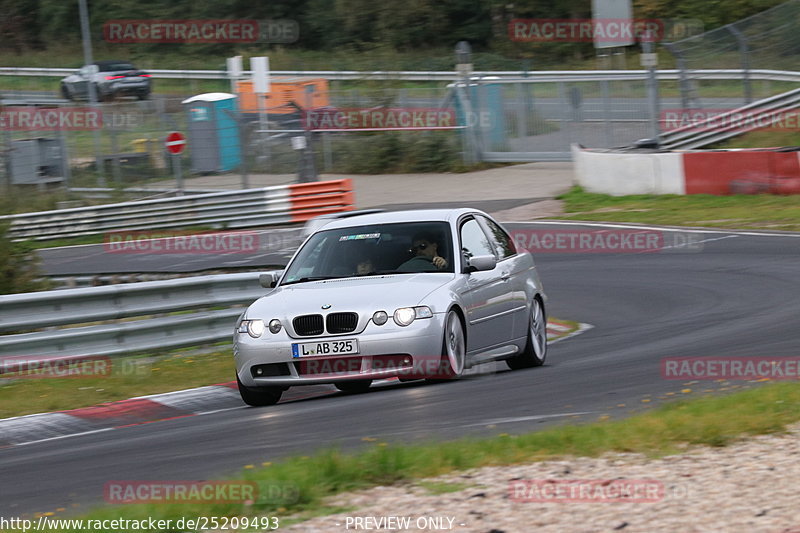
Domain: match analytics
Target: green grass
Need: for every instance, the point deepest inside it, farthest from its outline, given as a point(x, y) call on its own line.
point(298, 485)
point(737, 211)
point(763, 139)
point(128, 377)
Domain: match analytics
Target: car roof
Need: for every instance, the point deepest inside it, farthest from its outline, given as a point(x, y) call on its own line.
point(413, 215)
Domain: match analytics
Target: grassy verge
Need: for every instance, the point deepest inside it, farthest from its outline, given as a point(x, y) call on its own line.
point(763, 139)
point(296, 487)
point(126, 378)
point(738, 211)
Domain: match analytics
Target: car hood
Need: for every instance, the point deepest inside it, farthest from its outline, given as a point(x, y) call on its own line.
point(366, 294)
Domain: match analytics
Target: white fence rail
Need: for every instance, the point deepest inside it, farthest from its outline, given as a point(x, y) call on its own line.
point(724, 126)
point(280, 204)
point(539, 75)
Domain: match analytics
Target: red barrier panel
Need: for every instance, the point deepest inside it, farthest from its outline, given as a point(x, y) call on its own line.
point(725, 172)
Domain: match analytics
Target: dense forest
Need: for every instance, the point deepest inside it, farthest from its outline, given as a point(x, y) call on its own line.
point(359, 25)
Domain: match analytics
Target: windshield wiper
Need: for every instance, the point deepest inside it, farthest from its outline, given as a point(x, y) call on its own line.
point(310, 278)
point(381, 273)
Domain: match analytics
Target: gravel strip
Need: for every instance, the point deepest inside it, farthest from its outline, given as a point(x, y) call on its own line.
point(750, 486)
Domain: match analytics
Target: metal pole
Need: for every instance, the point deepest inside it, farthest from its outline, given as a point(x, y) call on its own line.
point(263, 126)
point(744, 52)
point(91, 89)
point(649, 59)
point(176, 167)
point(683, 80)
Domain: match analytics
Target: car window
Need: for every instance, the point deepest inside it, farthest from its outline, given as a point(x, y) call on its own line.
point(473, 240)
point(375, 249)
point(502, 241)
point(112, 67)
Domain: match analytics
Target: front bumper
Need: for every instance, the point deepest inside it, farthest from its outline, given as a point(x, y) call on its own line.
point(384, 351)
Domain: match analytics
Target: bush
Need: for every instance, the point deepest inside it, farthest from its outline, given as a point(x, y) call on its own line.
point(19, 266)
point(389, 153)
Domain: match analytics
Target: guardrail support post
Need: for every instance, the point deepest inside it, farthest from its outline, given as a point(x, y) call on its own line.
point(744, 53)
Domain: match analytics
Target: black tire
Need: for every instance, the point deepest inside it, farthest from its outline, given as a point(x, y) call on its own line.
point(259, 396)
point(454, 350)
point(536, 348)
point(101, 96)
point(143, 96)
point(65, 92)
point(354, 386)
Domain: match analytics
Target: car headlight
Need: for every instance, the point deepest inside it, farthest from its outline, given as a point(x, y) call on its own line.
point(274, 326)
point(254, 328)
point(406, 315)
point(380, 318)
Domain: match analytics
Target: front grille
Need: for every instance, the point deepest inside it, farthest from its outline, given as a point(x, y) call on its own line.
point(308, 325)
point(341, 322)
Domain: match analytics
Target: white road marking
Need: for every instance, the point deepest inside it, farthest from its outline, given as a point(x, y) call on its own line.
point(659, 228)
point(63, 436)
point(524, 419)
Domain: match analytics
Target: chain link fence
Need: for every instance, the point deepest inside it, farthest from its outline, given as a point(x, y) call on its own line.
point(379, 129)
point(767, 40)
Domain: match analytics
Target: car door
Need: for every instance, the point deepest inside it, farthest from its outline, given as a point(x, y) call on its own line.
point(515, 269)
point(486, 296)
point(80, 86)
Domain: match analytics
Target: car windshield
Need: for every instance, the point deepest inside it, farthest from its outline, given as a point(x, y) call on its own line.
point(113, 67)
point(400, 248)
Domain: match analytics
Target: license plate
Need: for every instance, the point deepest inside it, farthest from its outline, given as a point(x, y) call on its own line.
point(308, 349)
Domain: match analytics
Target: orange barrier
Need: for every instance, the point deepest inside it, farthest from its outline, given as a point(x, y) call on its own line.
point(320, 198)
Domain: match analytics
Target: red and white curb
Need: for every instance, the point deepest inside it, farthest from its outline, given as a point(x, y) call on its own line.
point(30, 429)
point(134, 411)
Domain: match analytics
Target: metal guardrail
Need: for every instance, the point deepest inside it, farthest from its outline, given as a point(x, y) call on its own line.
point(122, 303)
point(703, 133)
point(280, 204)
point(539, 75)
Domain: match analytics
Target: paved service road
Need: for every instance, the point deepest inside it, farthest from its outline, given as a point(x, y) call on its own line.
point(739, 296)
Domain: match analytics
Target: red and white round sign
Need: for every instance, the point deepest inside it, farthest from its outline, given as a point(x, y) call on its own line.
point(175, 142)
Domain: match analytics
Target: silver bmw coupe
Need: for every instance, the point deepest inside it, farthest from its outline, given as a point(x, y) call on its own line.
point(424, 294)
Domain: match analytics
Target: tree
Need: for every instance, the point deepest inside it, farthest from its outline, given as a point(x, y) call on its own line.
point(19, 265)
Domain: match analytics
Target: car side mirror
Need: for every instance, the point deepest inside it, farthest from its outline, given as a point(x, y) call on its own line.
point(268, 280)
point(481, 263)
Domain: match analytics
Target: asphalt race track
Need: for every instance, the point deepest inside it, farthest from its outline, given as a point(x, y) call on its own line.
point(738, 296)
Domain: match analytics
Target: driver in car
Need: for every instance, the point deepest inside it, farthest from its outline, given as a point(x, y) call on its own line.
point(426, 258)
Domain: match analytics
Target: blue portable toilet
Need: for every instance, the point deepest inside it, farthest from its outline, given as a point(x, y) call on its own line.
point(488, 116)
point(214, 132)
